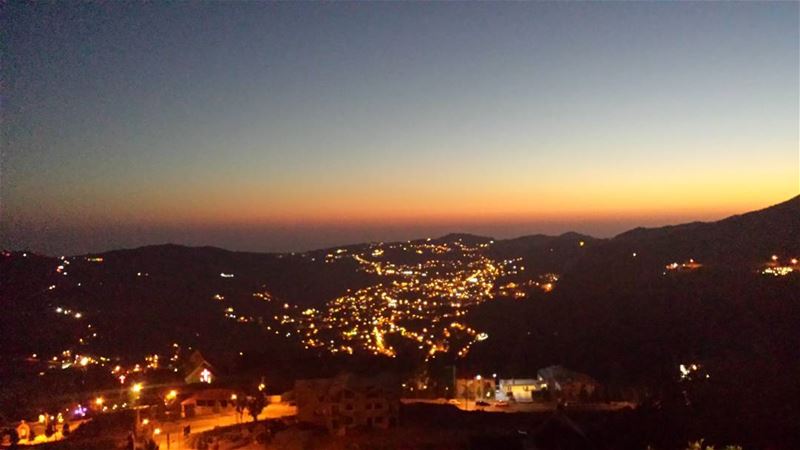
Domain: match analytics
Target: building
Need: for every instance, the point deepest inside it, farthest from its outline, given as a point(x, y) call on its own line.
point(198, 370)
point(567, 384)
point(522, 390)
point(475, 388)
point(208, 401)
point(346, 402)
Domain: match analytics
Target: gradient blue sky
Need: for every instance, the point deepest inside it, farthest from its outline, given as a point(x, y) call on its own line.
point(288, 126)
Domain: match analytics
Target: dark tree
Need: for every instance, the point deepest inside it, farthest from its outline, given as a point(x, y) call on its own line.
point(49, 430)
point(255, 405)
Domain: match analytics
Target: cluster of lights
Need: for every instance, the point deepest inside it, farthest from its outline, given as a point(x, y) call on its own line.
point(416, 302)
point(68, 312)
point(775, 268)
point(520, 290)
point(691, 264)
point(62, 267)
point(691, 371)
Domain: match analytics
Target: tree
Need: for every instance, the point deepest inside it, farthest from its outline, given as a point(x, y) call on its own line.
point(49, 430)
point(255, 404)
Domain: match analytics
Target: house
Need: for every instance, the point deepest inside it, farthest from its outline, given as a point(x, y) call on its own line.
point(346, 402)
point(475, 388)
point(520, 390)
point(208, 401)
point(567, 384)
point(198, 370)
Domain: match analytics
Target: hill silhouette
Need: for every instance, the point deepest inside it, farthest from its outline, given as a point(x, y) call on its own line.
point(617, 312)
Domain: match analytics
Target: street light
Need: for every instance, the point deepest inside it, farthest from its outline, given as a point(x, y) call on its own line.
point(99, 401)
point(136, 388)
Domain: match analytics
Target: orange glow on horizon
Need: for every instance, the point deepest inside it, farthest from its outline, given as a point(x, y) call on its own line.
point(589, 197)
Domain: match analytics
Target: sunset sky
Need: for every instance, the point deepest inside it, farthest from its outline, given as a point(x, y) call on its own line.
point(292, 126)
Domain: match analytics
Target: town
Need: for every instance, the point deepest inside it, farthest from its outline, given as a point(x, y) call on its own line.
point(199, 406)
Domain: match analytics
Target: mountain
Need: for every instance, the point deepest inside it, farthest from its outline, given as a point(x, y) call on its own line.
point(620, 314)
point(141, 300)
point(619, 310)
point(741, 239)
point(151, 296)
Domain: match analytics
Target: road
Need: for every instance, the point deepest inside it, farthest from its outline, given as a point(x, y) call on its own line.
point(173, 431)
point(38, 430)
point(469, 405)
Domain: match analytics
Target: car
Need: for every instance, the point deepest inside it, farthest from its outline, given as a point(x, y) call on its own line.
point(501, 404)
point(481, 403)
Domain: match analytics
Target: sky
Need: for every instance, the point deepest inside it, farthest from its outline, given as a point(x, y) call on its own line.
point(292, 126)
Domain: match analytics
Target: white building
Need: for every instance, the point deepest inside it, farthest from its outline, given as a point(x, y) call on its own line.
point(519, 389)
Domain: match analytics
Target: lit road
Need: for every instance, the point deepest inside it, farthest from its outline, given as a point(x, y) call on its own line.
point(469, 405)
point(205, 423)
point(38, 429)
